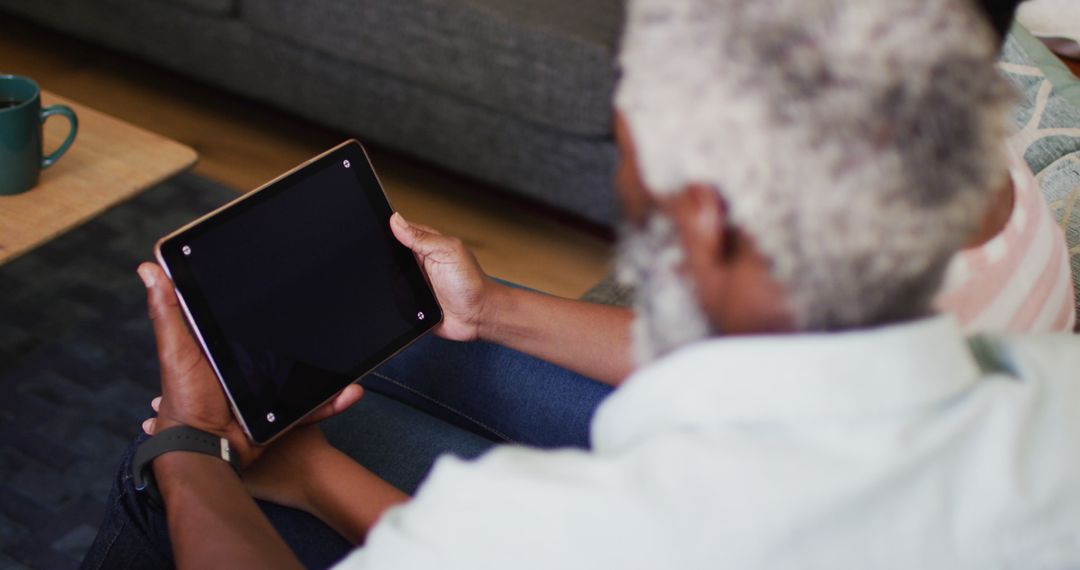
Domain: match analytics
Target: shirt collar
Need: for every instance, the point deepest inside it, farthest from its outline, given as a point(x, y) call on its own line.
point(793, 377)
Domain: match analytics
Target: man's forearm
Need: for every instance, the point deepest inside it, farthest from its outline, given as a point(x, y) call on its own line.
point(590, 339)
point(213, 522)
point(347, 496)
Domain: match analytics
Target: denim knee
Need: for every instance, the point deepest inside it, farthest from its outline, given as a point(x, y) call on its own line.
point(134, 532)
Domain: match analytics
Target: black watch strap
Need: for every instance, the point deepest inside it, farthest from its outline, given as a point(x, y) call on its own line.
point(179, 438)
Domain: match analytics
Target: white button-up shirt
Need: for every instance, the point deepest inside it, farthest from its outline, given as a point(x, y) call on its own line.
point(904, 447)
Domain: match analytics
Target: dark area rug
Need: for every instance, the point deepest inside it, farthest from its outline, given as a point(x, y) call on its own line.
point(78, 370)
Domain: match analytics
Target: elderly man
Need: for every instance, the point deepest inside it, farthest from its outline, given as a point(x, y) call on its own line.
point(1012, 276)
point(798, 184)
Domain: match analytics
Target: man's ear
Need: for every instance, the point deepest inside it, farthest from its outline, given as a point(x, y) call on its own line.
point(700, 214)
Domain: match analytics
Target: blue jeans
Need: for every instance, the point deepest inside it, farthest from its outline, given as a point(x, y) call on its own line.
point(436, 397)
point(495, 392)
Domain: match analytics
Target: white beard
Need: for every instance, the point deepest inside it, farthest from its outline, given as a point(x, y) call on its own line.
point(668, 314)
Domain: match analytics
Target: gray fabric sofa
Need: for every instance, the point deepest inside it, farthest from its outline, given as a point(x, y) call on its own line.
point(514, 93)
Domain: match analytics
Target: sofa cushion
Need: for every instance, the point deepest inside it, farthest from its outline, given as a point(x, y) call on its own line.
point(214, 7)
point(549, 62)
point(1048, 118)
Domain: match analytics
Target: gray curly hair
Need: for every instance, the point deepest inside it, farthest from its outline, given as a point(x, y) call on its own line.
point(857, 142)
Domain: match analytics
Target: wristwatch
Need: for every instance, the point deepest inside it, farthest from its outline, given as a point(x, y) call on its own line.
point(179, 438)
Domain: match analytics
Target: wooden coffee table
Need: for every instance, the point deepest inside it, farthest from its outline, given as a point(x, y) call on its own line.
point(109, 162)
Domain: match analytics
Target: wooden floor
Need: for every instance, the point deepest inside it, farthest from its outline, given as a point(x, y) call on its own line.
point(243, 144)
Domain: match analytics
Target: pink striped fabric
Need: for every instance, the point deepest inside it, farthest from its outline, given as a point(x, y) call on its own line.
point(1019, 281)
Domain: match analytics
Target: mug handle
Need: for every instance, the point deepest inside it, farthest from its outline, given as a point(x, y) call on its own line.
point(67, 113)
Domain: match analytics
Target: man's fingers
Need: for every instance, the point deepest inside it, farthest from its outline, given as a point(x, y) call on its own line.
point(148, 426)
point(169, 328)
point(405, 223)
point(425, 228)
point(349, 396)
point(406, 233)
point(156, 404)
point(346, 398)
point(422, 240)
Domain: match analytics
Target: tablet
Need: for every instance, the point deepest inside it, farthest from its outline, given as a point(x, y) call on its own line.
point(299, 288)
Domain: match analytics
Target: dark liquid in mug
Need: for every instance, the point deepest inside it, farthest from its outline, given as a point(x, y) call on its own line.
point(7, 102)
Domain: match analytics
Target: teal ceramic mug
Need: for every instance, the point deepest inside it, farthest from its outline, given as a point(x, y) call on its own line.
point(21, 117)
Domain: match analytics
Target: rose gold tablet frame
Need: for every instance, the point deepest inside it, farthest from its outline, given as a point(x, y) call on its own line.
point(195, 328)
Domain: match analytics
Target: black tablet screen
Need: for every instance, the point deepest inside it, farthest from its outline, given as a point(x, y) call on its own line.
point(300, 289)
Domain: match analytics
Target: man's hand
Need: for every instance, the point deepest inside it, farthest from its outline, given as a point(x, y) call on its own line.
point(460, 284)
point(190, 392)
point(590, 339)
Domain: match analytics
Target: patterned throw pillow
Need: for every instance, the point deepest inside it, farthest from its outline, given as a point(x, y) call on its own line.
point(1048, 119)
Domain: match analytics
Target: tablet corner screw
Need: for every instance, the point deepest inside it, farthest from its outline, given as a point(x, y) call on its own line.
point(271, 417)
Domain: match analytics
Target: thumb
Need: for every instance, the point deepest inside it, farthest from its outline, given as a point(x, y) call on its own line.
point(424, 242)
point(170, 330)
point(345, 399)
